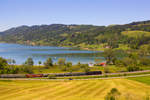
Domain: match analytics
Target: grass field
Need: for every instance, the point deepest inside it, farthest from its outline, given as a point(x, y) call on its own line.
point(136, 34)
point(145, 79)
point(71, 90)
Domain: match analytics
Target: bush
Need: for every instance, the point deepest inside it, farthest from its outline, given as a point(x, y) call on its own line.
point(113, 94)
point(133, 68)
point(11, 70)
point(107, 70)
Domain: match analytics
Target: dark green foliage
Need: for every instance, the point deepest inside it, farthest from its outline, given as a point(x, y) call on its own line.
point(27, 69)
point(39, 62)
point(29, 62)
point(48, 63)
point(113, 94)
point(110, 56)
point(69, 64)
point(75, 35)
point(131, 62)
point(11, 61)
point(79, 64)
point(3, 63)
point(85, 67)
point(106, 70)
point(7, 69)
point(133, 68)
point(11, 70)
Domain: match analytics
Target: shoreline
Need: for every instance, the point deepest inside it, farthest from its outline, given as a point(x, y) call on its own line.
point(75, 47)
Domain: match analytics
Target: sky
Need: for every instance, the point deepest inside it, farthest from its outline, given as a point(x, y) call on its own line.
point(15, 13)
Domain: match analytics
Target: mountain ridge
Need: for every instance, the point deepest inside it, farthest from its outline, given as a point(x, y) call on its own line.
point(71, 35)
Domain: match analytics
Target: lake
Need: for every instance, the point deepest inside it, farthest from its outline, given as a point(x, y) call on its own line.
point(40, 53)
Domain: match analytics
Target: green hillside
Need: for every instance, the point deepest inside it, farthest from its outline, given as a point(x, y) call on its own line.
point(136, 34)
point(84, 36)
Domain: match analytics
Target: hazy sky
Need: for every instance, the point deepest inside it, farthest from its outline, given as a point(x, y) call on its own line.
point(97, 12)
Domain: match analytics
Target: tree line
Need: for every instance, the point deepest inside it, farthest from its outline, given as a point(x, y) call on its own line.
point(7, 66)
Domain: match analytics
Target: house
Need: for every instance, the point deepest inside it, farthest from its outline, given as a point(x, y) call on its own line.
point(102, 64)
point(91, 64)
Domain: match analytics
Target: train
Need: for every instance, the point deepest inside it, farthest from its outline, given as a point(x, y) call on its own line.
point(46, 75)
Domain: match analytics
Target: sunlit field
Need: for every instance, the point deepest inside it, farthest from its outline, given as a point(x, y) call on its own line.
point(71, 90)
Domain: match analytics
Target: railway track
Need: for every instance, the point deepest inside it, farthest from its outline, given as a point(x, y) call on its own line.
point(72, 79)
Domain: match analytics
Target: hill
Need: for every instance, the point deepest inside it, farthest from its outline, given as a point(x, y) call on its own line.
point(136, 34)
point(73, 35)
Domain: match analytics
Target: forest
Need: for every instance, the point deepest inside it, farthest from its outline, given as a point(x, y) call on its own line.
point(132, 35)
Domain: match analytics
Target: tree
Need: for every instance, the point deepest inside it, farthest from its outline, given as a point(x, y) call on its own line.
point(27, 69)
point(3, 63)
point(13, 61)
point(9, 61)
point(109, 56)
point(85, 67)
point(39, 63)
point(69, 66)
point(48, 62)
point(78, 64)
point(61, 61)
point(113, 94)
point(29, 62)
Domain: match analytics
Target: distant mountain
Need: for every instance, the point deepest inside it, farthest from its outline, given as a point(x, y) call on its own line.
point(141, 22)
point(71, 35)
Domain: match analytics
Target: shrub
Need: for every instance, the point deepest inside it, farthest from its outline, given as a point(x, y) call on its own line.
point(133, 68)
point(11, 70)
point(113, 94)
point(107, 70)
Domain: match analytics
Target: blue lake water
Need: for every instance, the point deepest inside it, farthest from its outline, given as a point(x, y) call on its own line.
point(40, 53)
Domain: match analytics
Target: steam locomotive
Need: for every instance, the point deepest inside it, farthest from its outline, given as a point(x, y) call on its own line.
point(46, 75)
